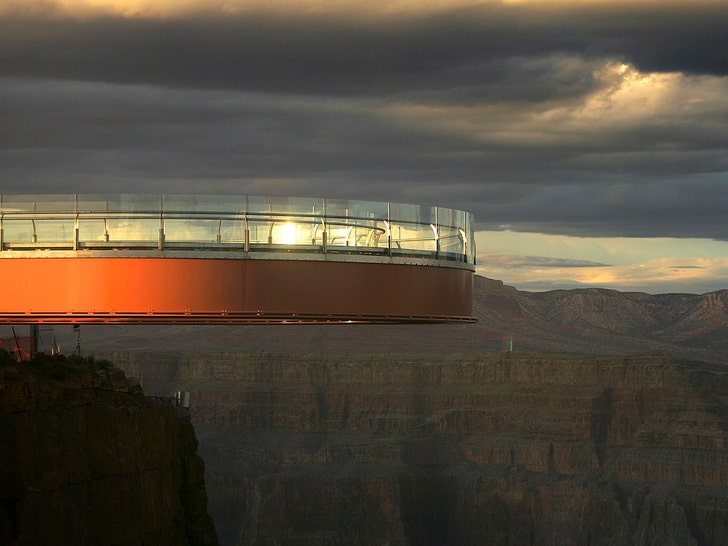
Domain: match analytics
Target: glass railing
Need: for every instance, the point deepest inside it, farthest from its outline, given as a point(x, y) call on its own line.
point(234, 222)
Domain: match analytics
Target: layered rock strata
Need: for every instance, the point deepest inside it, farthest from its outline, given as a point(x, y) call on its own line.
point(481, 448)
point(87, 459)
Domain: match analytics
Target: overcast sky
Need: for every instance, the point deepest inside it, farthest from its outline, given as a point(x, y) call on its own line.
point(588, 138)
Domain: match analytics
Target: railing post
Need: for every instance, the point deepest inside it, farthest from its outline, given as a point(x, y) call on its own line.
point(272, 223)
point(436, 229)
point(160, 240)
point(324, 236)
point(75, 224)
point(75, 233)
point(389, 228)
point(436, 235)
point(464, 240)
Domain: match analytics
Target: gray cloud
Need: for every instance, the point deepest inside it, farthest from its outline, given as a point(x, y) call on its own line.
point(658, 208)
point(517, 113)
point(344, 55)
point(491, 260)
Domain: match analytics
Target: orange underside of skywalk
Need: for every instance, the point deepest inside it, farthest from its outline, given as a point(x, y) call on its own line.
point(143, 290)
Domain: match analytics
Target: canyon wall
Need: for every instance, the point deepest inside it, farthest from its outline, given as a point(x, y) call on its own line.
point(477, 448)
point(87, 459)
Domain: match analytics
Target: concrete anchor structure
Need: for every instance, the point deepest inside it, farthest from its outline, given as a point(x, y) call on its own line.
point(198, 259)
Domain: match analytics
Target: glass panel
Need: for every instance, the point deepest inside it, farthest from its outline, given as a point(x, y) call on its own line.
point(340, 234)
point(204, 203)
point(259, 231)
point(40, 230)
point(451, 240)
point(356, 209)
point(292, 233)
point(450, 218)
point(16, 230)
point(451, 231)
point(96, 202)
point(401, 212)
point(139, 229)
point(18, 203)
point(357, 235)
point(413, 237)
point(285, 205)
point(258, 204)
point(39, 203)
point(92, 229)
point(55, 203)
point(55, 231)
point(192, 229)
point(232, 231)
point(126, 202)
point(355, 223)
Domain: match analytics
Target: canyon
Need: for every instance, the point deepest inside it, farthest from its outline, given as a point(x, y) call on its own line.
point(578, 417)
point(464, 448)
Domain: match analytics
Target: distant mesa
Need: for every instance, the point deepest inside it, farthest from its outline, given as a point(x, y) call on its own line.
point(203, 259)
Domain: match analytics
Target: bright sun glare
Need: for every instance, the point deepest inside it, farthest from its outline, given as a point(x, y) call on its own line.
point(287, 234)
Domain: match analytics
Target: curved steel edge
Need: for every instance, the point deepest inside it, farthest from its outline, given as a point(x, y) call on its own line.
point(295, 255)
point(234, 318)
point(196, 290)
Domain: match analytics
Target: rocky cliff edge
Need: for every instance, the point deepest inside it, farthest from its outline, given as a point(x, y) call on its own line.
point(87, 459)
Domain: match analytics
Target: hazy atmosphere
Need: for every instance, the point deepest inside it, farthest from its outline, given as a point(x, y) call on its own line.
point(588, 138)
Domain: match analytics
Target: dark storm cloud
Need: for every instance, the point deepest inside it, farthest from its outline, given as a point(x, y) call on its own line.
point(659, 208)
point(325, 57)
point(489, 109)
point(93, 137)
point(689, 38)
point(460, 49)
point(157, 137)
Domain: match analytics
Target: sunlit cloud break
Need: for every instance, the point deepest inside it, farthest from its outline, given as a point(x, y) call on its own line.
point(698, 275)
point(654, 265)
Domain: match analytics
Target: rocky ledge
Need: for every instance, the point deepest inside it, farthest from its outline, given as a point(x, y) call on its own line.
point(87, 459)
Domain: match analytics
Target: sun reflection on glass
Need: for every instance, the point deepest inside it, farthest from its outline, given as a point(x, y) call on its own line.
point(287, 234)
